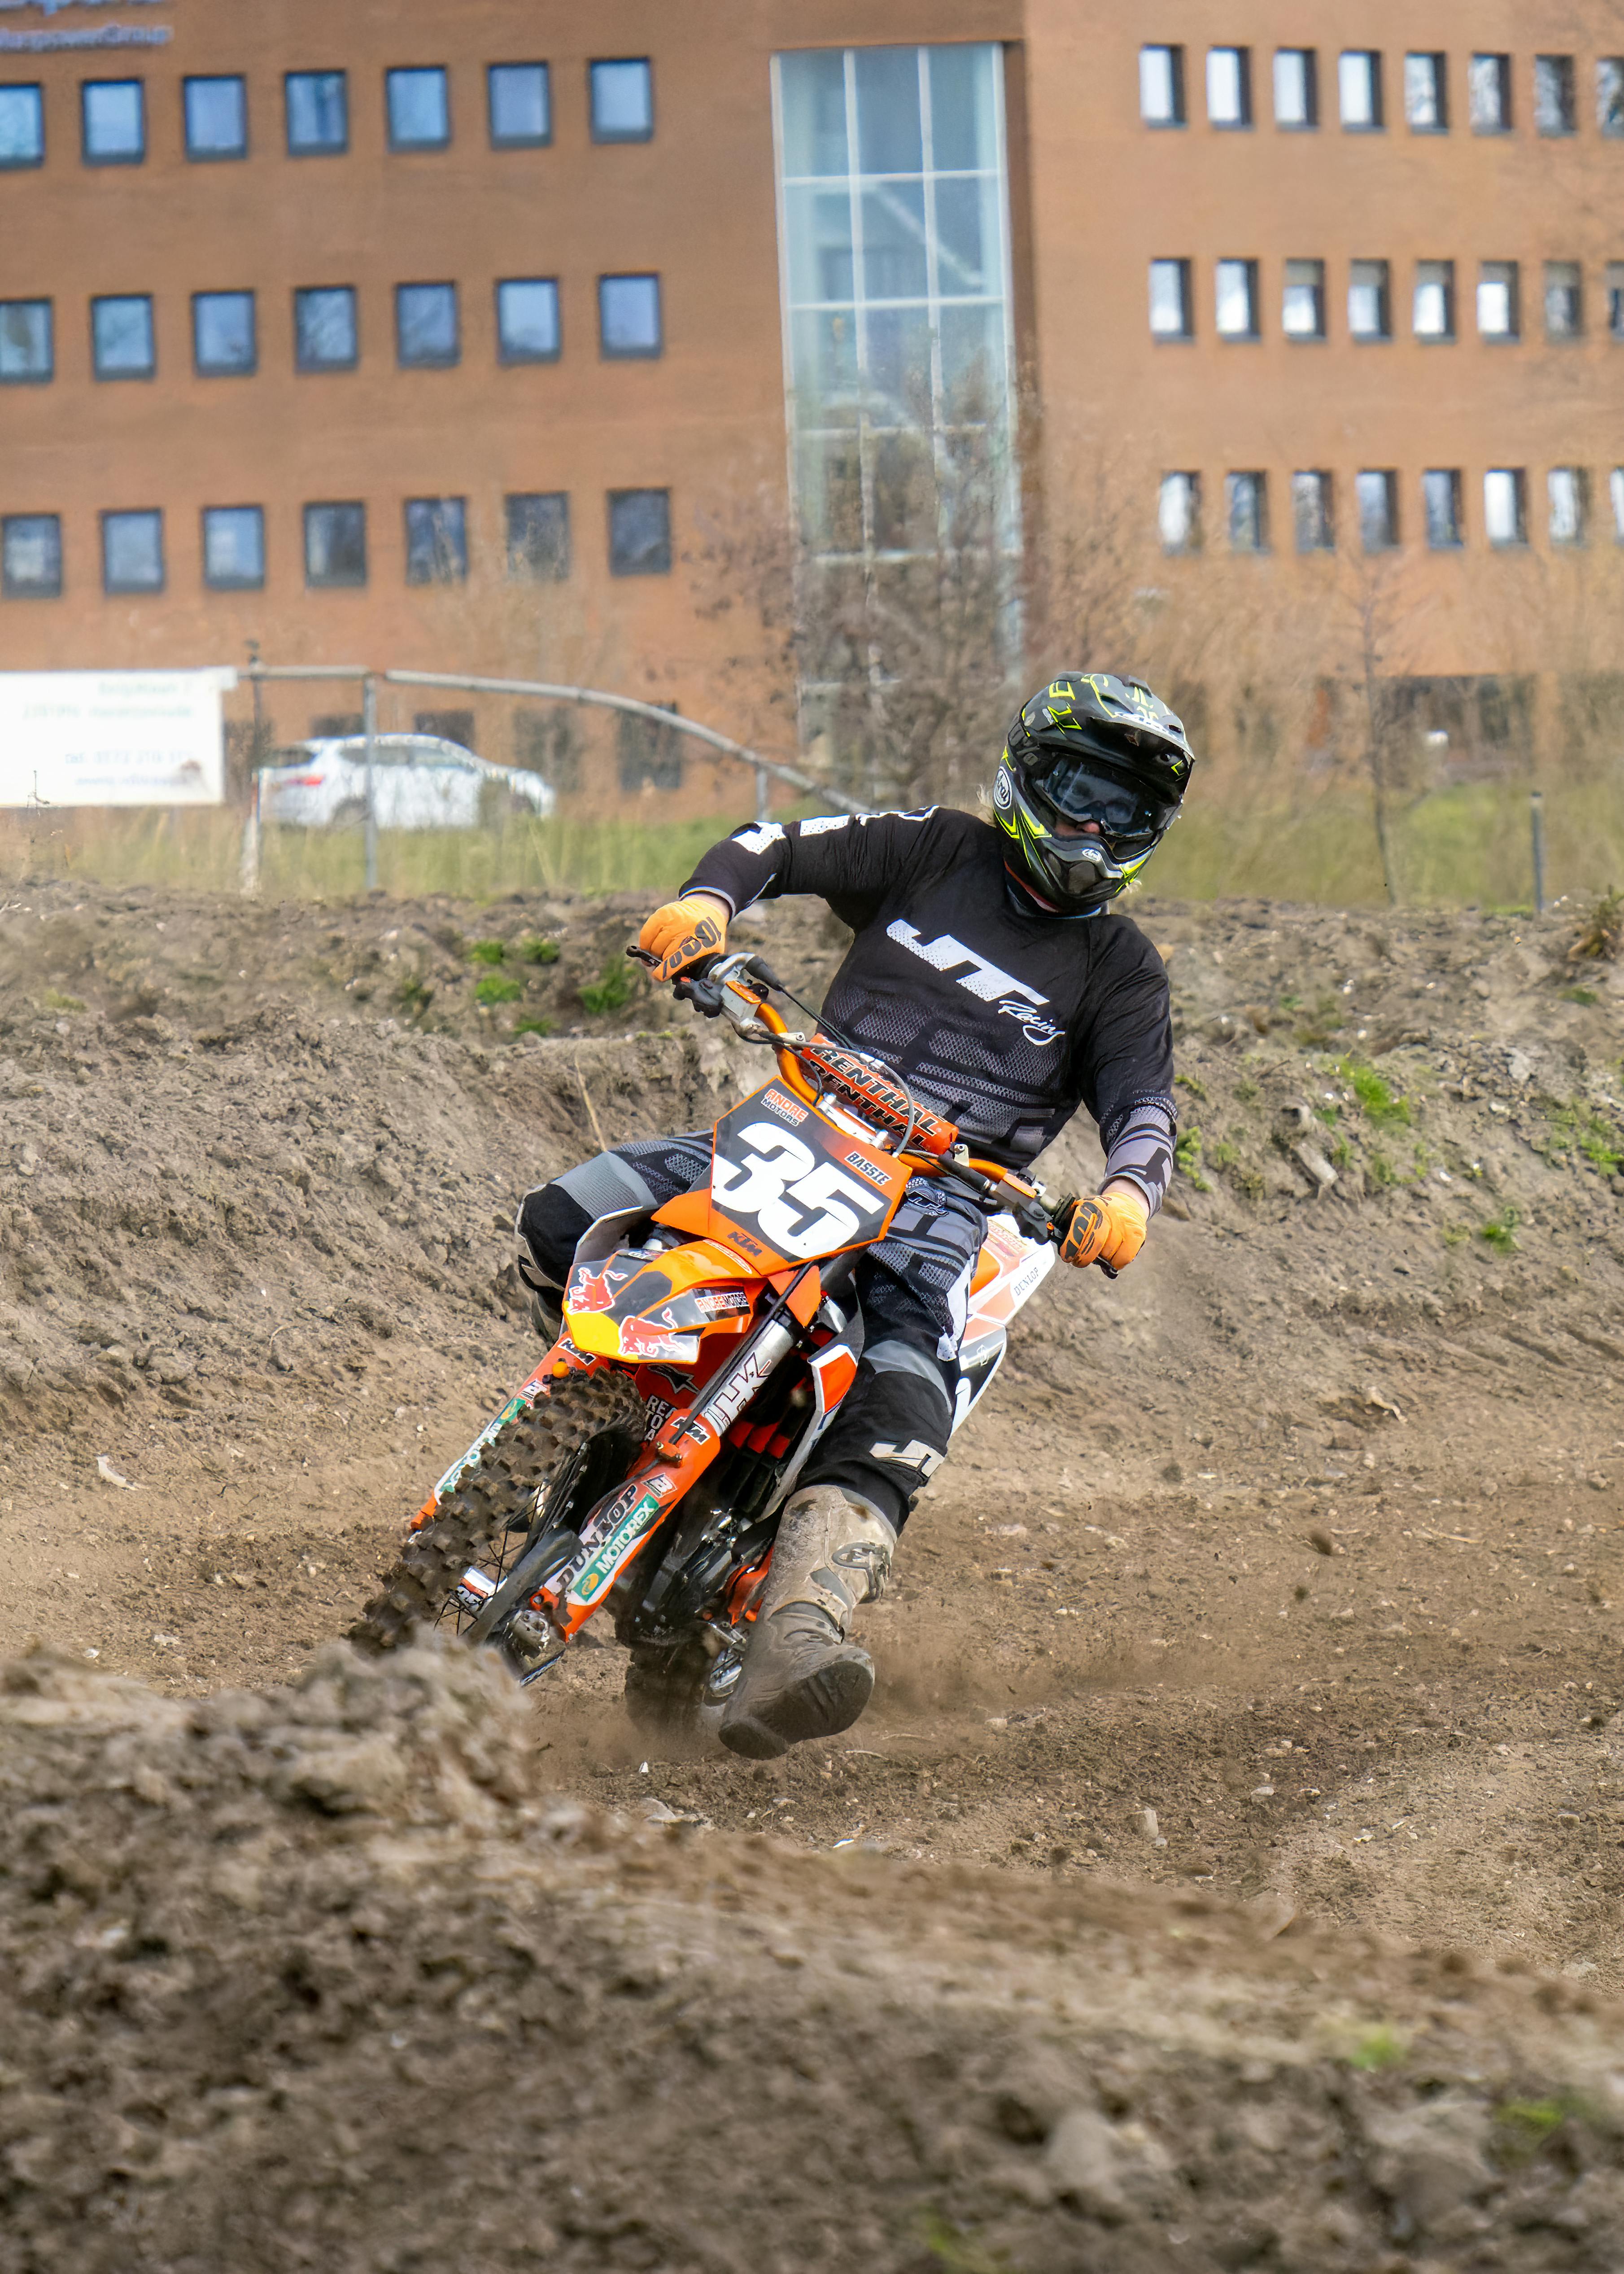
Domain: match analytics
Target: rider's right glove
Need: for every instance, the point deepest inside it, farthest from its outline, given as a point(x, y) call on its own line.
point(1110, 1230)
point(682, 931)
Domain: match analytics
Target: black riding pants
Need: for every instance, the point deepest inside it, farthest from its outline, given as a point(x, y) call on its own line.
point(892, 1431)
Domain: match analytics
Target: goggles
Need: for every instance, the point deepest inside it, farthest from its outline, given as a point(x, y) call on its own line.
point(1078, 787)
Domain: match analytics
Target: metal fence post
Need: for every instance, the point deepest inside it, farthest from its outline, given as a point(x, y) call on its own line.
point(764, 794)
point(369, 727)
point(1537, 833)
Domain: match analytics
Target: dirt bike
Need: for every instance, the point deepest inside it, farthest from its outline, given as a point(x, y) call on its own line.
point(644, 1465)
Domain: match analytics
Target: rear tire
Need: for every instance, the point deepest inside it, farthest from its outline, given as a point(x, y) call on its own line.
point(499, 1488)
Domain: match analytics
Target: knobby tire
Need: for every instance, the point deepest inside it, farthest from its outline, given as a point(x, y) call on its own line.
point(489, 1497)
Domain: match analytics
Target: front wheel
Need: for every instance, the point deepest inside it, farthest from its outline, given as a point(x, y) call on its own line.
point(496, 1498)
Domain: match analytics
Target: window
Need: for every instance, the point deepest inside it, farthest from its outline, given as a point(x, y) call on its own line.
point(621, 101)
point(1178, 513)
point(650, 756)
point(1504, 502)
point(1610, 95)
point(1297, 93)
point(223, 343)
point(1302, 311)
point(1310, 512)
point(436, 540)
point(318, 113)
point(640, 532)
point(1498, 315)
point(121, 337)
point(1567, 495)
point(115, 122)
point(234, 547)
point(27, 347)
point(22, 126)
point(216, 116)
point(326, 335)
point(1434, 304)
point(1426, 95)
point(447, 725)
point(1555, 108)
point(1171, 314)
point(538, 536)
point(897, 300)
point(1236, 299)
point(1370, 301)
point(1246, 499)
point(628, 316)
point(1615, 300)
point(1440, 500)
point(1488, 86)
point(1376, 493)
point(519, 99)
point(1615, 485)
point(427, 335)
point(418, 103)
point(133, 552)
point(1564, 300)
point(1359, 88)
point(335, 545)
point(31, 556)
point(527, 319)
point(1162, 87)
point(1228, 86)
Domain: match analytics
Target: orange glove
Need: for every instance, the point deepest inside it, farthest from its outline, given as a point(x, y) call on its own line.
point(683, 931)
point(1111, 1228)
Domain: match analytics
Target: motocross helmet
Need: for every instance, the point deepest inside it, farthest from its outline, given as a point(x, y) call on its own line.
point(1088, 747)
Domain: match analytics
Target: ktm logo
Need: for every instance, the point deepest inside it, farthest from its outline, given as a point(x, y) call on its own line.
point(984, 980)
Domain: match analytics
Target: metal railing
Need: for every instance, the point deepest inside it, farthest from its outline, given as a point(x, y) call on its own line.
point(766, 770)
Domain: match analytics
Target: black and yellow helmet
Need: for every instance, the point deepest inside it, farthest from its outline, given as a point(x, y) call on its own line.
point(1088, 749)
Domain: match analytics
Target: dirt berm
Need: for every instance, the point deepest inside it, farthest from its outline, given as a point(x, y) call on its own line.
point(1264, 1624)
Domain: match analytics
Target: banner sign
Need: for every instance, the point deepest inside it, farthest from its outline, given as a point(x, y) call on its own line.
point(112, 737)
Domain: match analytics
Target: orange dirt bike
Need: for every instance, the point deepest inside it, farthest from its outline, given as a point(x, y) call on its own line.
point(644, 1465)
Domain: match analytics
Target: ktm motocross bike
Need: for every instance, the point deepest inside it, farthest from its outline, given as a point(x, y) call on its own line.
point(642, 1468)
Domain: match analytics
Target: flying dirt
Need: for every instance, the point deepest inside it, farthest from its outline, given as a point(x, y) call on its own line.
point(1229, 1864)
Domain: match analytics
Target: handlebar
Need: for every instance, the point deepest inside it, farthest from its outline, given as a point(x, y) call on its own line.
point(929, 1144)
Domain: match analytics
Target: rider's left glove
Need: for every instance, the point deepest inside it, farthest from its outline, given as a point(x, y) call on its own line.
point(684, 930)
point(1108, 1230)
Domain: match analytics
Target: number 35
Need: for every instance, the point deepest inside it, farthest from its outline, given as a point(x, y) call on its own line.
point(782, 1170)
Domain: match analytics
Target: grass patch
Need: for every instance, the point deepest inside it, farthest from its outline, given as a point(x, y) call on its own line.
point(1223, 1154)
point(1600, 936)
point(1381, 1171)
point(1585, 1131)
point(55, 1001)
point(538, 951)
point(487, 951)
point(1376, 1101)
point(1585, 994)
point(959, 2252)
point(1187, 1159)
point(613, 989)
point(1340, 1155)
point(1378, 2048)
point(497, 987)
point(413, 996)
point(1247, 1092)
point(1188, 1081)
point(1499, 1231)
point(1454, 1234)
point(533, 1026)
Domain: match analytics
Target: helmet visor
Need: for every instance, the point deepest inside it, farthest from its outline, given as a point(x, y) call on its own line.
point(1078, 788)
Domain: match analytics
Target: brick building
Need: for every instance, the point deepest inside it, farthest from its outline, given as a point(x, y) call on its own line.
point(430, 335)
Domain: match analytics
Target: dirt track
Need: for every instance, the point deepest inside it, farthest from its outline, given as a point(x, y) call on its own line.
point(1282, 1573)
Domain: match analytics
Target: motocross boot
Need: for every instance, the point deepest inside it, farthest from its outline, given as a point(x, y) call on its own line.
point(803, 1676)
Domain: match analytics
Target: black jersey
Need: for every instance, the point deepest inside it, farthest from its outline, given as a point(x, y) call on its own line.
point(1004, 1021)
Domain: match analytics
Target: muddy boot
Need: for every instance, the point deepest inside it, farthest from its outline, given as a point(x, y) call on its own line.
point(803, 1678)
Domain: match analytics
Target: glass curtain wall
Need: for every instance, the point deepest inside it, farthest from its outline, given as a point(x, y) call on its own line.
point(894, 260)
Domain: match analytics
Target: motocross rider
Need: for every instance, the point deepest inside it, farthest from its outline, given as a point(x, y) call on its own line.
point(987, 970)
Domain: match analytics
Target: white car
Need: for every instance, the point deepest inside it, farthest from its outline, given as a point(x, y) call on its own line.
point(420, 781)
